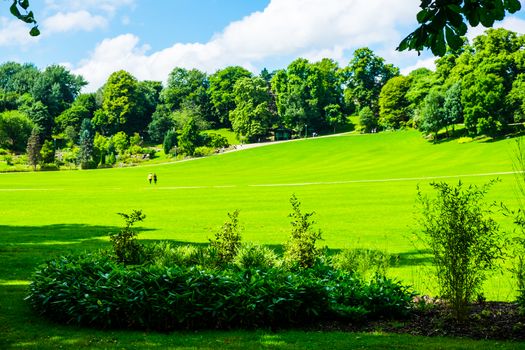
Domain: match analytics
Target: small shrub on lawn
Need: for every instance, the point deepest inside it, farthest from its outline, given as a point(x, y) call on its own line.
point(465, 240)
point(95, 290)
point(228, 239)
point(301, 250)
point(125, 245)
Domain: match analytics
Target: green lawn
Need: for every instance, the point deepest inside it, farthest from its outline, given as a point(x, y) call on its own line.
point(362, 188)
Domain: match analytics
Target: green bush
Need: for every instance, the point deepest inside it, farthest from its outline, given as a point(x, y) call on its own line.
point(125, 245)
point(95, 290)
point(363, 262)
point(203, 151)
point(168, 254)
point(252, 256)
point(300, 250)
point(228, 239)
point(464, 239)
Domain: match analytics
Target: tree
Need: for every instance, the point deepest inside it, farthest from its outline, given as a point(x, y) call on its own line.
point(39, 115)
point(365, 76)
point(302, 92)
point(442, 22)
point(368, 120)
point(47, 152)
point(161, 123)
point(188, 138)
point(421, 81)
point(57, 88)
point(334, 116)
point(170, 141)
point(87, 136)
point(394, 109)
point(18, 78)
point(15, 128)
point(452, 107)
point(251, 117)
point(432, 113)
point(120, 106)
point(33, 148)
point(464, 239)
point(188, 89)
point(221, 93)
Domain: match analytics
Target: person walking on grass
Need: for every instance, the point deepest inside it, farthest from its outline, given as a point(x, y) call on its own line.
point(154, 178)
point(150, 177)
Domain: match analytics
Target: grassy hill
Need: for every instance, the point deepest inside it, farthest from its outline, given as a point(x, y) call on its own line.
point(362, 188)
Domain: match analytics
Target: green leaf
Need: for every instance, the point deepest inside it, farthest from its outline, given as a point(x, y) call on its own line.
point(423, 15)
point(24, 4)
point(439, 46)
point(14, 11)
point(454, 41)
point(512, 5)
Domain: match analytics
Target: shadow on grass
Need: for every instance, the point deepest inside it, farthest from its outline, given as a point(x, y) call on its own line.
point(23, 248)
point(414, 258)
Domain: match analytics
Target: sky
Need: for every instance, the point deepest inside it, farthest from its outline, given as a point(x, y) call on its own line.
point(95, 38)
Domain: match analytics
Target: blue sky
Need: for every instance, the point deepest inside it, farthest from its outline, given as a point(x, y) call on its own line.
point(149, 38)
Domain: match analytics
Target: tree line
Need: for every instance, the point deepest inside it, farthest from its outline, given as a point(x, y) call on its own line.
point(480, 85)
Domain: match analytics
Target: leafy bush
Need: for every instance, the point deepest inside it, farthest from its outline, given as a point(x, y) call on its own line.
point(228, 239)
point(301, 250)
point(362, 261)
point(252, 256)
point(464, 239)
point(203, 151)
point(168, 254)
point(126, 247)
point(97, 291)
point(214, 140)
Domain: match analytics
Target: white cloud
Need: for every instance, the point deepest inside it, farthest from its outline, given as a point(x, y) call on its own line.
point(15, 33)
point(73, 21)
point(298, 28)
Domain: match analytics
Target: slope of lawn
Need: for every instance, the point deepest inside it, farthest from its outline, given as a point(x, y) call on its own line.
point(362, 188)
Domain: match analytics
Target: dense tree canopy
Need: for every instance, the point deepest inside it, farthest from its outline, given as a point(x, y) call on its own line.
point(365, 76)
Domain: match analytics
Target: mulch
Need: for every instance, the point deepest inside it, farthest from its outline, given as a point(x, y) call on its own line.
point(486, 320)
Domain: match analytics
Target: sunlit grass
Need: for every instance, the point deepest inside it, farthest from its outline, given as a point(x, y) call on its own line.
point(362, 188)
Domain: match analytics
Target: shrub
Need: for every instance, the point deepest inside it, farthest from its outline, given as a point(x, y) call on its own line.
point(252, 256)
point(215, 140)
point(203, 151)
point(125, 245)
point(228, 239)
point(301, 250)
point(362, 262)
point(464, 239)
point(97, 291)
point(168, 254)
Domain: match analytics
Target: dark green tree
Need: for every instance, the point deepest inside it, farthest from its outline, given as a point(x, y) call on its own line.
point(252, 117)
point(433, 116)
point(368, 121)
point(189, 138)
point(33, 148)
point(57, 88)
point(221, 93)
point(365, 76)
point(86, 143)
